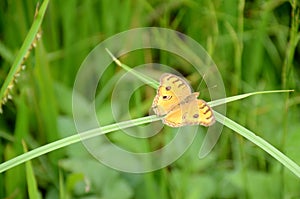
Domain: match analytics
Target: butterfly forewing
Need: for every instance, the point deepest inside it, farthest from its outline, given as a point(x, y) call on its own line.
point(164, 101)
point(178, 85)
point(172, 91)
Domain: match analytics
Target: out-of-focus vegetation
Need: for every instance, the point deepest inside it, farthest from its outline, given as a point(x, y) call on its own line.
point(253, 43)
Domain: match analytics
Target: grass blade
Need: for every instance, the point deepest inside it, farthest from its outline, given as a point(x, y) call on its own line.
point(288, 163)
point(73, 139)
point(31, 181)
point(292, 166)
point(148, 80)
point(237, 97)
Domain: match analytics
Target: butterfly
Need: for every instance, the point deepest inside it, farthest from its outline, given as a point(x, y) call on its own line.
point(179, 106)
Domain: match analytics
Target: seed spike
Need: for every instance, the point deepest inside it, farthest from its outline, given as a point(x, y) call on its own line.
point(10, 86)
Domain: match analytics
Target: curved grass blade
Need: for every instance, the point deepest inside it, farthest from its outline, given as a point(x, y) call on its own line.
point(73, 139)
point(283, 159)
point(122, 125)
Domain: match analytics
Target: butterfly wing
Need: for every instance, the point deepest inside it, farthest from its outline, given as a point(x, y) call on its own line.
point(174, 118)
point(176, 84)
point(193, 112)
point(206, 115)
point(171, 92)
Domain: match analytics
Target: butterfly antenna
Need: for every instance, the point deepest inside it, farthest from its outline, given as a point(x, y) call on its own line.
point(202, 79)
point(206, 89)
point(204, 75)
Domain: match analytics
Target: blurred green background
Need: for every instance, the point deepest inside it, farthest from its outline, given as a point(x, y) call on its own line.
point(253, 43)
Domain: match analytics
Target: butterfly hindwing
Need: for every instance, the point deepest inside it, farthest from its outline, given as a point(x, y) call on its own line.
point(206, 116)
point(183, 114)
point(193, 113)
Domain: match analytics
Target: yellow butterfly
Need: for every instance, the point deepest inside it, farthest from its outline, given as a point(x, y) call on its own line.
point(175, 100)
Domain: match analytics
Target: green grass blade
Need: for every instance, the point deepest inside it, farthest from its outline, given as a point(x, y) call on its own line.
point(288, 163)
point(237, 97)
point(122, 125)
point(31, 181)
point(73, 139)
point(62, 193)
point(148, 80)
point(27, 45)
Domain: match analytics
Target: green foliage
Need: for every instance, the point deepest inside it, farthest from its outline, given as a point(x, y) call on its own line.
point(255, 44)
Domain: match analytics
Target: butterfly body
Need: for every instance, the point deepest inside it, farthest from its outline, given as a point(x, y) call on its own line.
point(175, 101)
